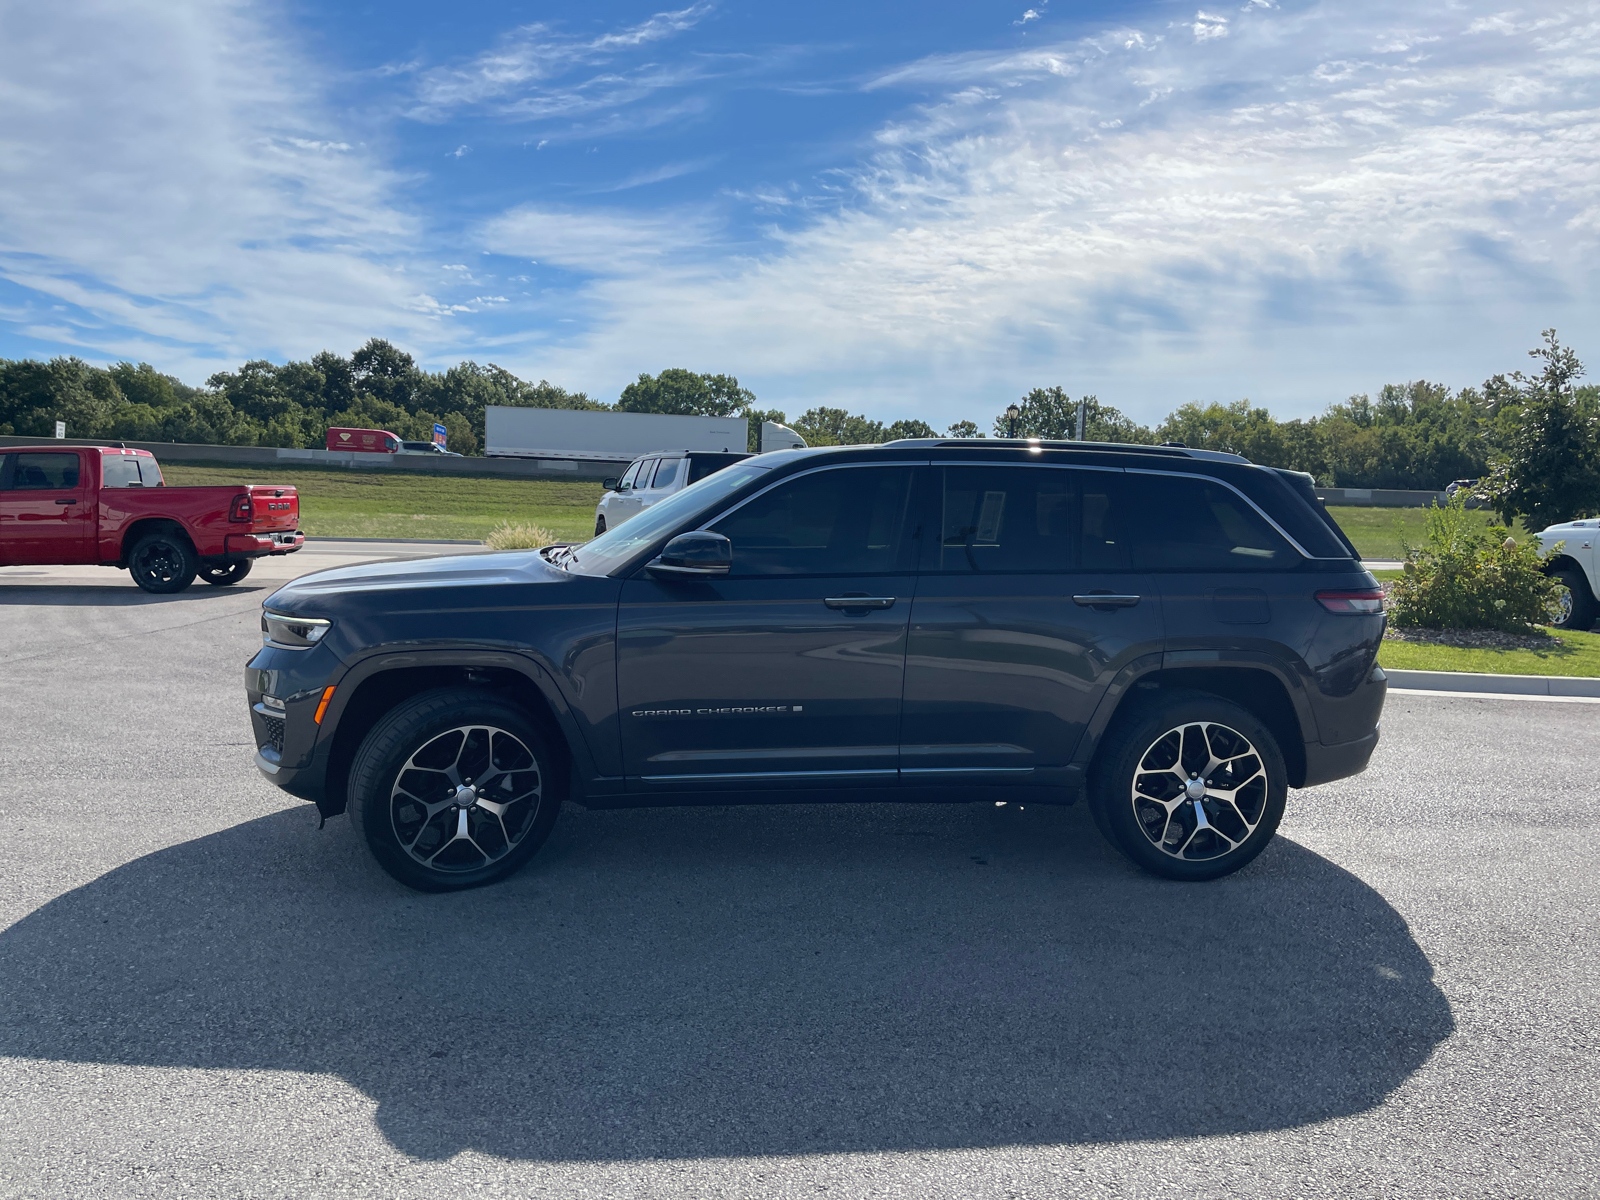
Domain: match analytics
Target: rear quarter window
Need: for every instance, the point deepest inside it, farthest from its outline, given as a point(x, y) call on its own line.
point(119, 471)
point(1193, 523)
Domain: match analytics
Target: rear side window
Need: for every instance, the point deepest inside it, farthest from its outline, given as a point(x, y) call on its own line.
point(1190, 523)
point(150, 471)
point(845, 521)
point(119, 471)
point(1008, 519)
point(52, 471)
point(667, 472)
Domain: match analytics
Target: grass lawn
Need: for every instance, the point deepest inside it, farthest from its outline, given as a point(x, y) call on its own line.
point(1579, 655)
point(351, 503)
point(1377, 531)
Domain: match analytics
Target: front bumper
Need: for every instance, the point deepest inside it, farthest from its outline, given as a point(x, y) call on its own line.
point(290, 751)
point(254, 545)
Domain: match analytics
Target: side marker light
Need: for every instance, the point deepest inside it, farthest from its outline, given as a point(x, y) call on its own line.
point(322, 705)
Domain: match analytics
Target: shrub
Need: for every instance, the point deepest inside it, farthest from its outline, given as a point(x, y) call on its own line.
point(506, 536)
point(1471, 576)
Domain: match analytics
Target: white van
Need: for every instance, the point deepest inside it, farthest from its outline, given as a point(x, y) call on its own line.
point(655, 477)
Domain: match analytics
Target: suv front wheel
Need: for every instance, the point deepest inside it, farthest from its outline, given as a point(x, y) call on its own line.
point(1190, 787)
point(453, 789)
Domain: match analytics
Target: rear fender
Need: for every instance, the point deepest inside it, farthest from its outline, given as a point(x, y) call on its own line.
point(1264, 685)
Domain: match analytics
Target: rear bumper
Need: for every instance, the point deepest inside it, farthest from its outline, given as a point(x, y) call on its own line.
point(253, 545)
point(1339, 761)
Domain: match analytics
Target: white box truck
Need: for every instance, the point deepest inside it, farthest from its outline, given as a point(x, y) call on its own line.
point(567, 433)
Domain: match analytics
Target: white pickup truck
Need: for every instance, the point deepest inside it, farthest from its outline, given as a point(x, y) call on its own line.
point(1575, 568)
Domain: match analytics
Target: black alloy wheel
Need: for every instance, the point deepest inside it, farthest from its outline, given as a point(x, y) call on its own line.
point(163, 563)
point(1574, 604)
point(455, 788)
point(223, 574)
point(1189, 786)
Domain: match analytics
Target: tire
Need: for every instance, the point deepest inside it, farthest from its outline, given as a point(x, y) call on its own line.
point(1151, 810)
point(224, 574)
point(599, 526)
point(163, 563)
point(1577, 605)
point(435, 744)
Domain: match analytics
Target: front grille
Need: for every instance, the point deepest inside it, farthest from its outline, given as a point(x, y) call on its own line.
point(274, 732)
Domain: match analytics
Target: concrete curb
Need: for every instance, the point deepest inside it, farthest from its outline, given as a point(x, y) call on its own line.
point(1504, 685)
point(405, 541)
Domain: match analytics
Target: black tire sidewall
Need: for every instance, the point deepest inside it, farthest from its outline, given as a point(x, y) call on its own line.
point(405, 730)
point(1112, 781)
point(1583, 603)
point(189, 566)
point(231, 573)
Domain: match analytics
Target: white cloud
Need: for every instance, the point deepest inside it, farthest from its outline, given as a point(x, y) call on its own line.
point(166, 169)
point(1209, 25)
point(1283, 218)
point(1033, 14)
point(529, 73)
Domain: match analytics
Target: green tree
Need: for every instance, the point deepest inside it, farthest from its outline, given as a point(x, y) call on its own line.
point(825, 426)
point(963, 429)
point(1550, 471)
point(683, 393)
point(908, 429)
point(1052, 414)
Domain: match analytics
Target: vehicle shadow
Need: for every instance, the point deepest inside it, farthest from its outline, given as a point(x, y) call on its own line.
point(111, 595)
point(760, 981)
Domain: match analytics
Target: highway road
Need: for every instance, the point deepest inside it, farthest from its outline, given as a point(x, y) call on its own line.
point(201, 994)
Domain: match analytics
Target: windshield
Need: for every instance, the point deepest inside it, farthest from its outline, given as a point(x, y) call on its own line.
point(616, 546)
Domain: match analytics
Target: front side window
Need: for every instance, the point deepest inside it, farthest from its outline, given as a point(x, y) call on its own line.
point(1190, 523)
point(51, 471)
point(631, 475)
point(844, 521)
point(622, 542)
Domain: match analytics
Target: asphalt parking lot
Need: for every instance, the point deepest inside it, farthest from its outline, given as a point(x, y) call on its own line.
point(203, 995)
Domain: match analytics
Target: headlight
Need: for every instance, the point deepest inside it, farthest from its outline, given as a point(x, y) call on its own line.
point(292, 633)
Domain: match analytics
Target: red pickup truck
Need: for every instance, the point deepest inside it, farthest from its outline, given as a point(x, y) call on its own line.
point(109, 505)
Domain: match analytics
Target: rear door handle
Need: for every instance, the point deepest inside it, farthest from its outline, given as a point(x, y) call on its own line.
point(66, 501)
point(859, 601)
point(1105, 600)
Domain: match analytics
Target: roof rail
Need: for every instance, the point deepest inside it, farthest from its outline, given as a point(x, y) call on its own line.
point(1166, 451)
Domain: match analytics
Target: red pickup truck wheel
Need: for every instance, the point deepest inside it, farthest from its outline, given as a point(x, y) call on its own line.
point(163, 563)
point(222, 574)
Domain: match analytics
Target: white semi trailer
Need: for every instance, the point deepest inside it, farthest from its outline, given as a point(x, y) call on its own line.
point(604, 437)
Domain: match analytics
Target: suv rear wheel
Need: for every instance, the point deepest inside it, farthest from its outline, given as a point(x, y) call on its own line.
point(1190, 787)
point(454, 789)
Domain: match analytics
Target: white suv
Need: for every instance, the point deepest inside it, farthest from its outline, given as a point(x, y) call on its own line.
point(655, 477)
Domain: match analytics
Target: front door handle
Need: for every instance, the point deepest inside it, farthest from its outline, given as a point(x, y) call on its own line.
point(1105, 600)
point(859, 601)
point(66, 501)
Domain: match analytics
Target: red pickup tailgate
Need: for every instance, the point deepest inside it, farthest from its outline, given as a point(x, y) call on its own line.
point(274, 508)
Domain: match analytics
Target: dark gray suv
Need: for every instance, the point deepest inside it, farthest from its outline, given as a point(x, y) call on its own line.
point(1177, 636)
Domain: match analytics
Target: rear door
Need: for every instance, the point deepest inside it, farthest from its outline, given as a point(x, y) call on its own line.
point(46, 514)
point(786, 673)
point(1026, 609)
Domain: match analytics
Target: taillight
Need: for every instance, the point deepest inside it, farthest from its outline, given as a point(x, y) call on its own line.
point(242, 509)
point(1366, 600)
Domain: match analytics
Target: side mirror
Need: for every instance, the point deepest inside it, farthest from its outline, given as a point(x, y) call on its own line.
point(609, 483)
point(694, 556)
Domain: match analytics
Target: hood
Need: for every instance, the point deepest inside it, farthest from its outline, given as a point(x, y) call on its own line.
point(325, 589)
point(1557, 532)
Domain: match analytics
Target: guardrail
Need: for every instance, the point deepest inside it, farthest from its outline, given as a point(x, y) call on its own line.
point(426, 464)
point(1379, 497)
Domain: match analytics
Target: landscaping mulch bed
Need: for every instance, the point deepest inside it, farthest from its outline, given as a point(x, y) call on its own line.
point(1474, 639)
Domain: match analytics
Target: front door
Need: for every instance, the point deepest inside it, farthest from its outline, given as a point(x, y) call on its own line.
point(1025, 611)
point(45, 511)
point(786, 673)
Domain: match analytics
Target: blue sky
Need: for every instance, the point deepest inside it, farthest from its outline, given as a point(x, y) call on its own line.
point(909, 209)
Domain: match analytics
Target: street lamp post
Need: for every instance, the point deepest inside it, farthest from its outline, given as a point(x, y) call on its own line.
point(1012, 414)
